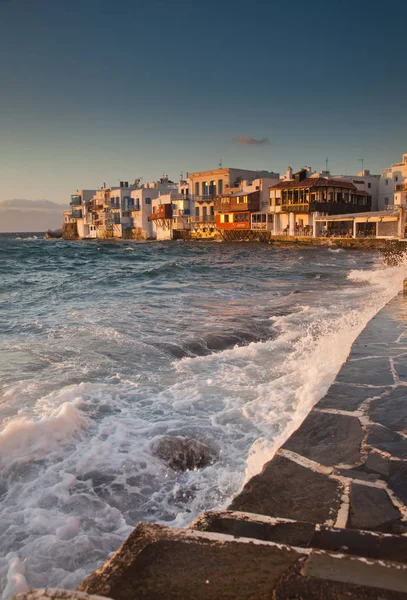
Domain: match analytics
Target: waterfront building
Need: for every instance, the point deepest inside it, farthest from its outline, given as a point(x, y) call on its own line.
point(244, 209)
point(393, 185)
point(207, 185)
point(295, 204)
point(387, 224)
point(171, 212)
point(78, 220)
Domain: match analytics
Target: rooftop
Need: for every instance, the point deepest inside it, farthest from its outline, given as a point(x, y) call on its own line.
point(312, 182)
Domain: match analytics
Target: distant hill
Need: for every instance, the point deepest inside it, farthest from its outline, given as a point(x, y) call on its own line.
point(19, 215)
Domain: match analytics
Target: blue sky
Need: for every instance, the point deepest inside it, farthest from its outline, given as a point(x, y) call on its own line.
point(103, 90)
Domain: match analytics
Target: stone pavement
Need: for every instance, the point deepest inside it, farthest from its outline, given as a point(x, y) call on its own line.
point(347, 463)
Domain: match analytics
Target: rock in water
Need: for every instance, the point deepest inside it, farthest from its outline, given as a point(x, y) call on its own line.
point(182, 453)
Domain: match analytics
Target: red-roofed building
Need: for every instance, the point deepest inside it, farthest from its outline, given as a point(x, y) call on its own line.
point(295, 204)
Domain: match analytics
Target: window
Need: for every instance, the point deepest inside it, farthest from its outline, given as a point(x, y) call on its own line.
point(369, 185)
point(396, 179)
point(226, 219)
point(197, 188)
point(147, 200)
point(386, 201)
point(387, 182)
point(220, 186)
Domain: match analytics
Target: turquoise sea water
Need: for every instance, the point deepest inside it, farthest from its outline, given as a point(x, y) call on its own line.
point(105, 346)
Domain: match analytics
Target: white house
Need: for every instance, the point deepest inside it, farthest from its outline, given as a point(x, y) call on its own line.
point(393, 184)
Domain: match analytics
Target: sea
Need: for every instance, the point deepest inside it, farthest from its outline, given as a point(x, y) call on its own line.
point(107, 346)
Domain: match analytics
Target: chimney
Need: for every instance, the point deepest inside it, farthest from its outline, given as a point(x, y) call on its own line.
point(289, 173)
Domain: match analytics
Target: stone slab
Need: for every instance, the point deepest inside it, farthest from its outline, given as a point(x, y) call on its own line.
point(386, 440)
point(371, 508)
point(398, 479)
point(356, 571)
point(378, 464)
point(248, 525)
point(158, 562)
point(288, 490)
point(391, 410)
point(370, 371)
point(368, 544)
point(294, 585)
point(342, 396)
point(329, 439)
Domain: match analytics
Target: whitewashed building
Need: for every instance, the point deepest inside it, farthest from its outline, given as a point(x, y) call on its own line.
point(393, 185)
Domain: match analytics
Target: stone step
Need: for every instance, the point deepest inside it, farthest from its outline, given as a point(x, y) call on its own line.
point(158, 562)
point(368, 544)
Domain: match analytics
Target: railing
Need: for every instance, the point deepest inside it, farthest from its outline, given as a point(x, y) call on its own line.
point(298, 207)
point(202, 219)
point(76, 214)
point(400, 187)
point(76, 201)
point(205, 198)
point(181, 223)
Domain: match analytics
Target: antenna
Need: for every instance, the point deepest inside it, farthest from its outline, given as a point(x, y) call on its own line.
point(326, 164)
point(220, 164)
point(362, 161)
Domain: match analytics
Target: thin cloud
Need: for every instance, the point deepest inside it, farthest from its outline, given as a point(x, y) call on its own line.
point(250, 141)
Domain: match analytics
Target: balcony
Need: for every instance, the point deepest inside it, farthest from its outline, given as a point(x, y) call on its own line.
point(400, 187)
point(76, 214)
point(76, 201)
point(162, 211)
point(206, 198)
point(202, 219)
point(181, 223)
point(332, 208)
point(238, 203)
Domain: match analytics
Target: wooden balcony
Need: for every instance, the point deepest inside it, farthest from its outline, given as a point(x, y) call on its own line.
point(238, 203)
point(162, 211)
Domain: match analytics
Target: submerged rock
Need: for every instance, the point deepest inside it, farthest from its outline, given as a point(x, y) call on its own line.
point(182, 453)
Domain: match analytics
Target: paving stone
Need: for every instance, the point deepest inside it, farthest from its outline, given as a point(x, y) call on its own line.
point(387, 440)
point(329, 439)
point(356, 474)
point(288, 490)
point(158, 562)
point(398, 479)
point(401, 369)
point(355, 570)
point(341, 396)
point(373, 371)
point(374, 545)
point(240, 524)
point(378, 464)
point(371, 508)
point(391, 410)
point(294, 585)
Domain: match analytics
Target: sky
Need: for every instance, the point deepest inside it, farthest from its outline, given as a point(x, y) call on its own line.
point(95, 91)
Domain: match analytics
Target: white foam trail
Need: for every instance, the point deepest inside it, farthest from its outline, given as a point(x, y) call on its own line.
point(317, 357)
